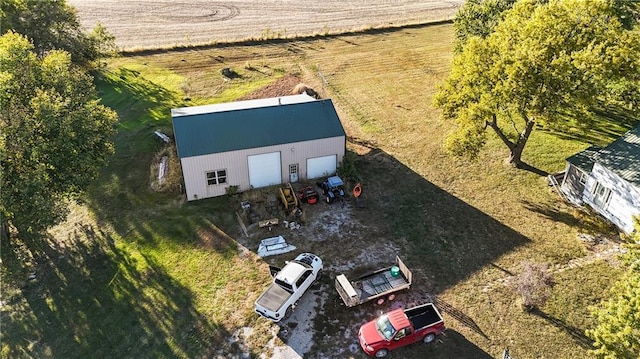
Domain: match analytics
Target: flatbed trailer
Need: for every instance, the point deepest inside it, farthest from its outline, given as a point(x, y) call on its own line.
point(376, 284)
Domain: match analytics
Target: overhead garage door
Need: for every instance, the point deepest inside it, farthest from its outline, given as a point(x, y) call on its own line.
point(322, 166)
point(265, 170)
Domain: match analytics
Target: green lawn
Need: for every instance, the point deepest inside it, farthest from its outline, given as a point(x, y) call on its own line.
point(136, 273)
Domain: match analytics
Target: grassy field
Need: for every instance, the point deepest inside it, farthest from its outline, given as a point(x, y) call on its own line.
point(136, 273)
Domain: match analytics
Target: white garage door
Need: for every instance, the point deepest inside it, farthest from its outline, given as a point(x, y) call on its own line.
point(265, 170)
point(322, 166)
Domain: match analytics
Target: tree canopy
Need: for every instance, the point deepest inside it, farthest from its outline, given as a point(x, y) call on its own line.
point(618, 332)
point(53, 25)
point(544, 65)
point(478, 18)
point(54, 133)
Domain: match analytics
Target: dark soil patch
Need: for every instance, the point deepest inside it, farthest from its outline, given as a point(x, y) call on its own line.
point(283, 87)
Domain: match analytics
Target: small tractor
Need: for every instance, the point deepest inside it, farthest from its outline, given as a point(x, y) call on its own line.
point(333, 188)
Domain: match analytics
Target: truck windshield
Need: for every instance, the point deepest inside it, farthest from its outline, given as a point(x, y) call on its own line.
point(385, 328)
point(306, 265)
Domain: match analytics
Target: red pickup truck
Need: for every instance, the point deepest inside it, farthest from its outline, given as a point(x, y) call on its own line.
point(399, 328)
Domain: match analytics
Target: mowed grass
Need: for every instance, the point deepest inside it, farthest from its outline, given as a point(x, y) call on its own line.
point(135, 273)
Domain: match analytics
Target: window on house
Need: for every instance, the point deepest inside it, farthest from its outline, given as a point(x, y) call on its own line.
point(216, 177)
point(583, 177)
point(601, 195)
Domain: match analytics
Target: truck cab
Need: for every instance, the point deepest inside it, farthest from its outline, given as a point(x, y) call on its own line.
point(295, 277)
point(399, 328)
point(288, 286)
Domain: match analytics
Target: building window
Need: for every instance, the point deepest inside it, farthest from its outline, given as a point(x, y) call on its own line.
point(216, 177)
point(601, 195)
point(583, 177)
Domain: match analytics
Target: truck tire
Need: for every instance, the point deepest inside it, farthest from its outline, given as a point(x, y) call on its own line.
point(316, 282)
point(429, 338)
point(288, 312)
point(381, 353)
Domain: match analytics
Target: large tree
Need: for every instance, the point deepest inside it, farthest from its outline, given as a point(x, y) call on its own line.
point(618, 332)
point(53, 25)
point(545, 64)
point(54, 133)
point(478, 18)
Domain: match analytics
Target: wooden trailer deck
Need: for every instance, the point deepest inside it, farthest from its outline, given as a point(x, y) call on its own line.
point(376, 284)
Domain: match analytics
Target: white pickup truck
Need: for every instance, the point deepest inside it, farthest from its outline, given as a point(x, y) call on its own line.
point(289, 284)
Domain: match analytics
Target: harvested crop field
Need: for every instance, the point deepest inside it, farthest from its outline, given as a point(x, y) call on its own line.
point(145, 24)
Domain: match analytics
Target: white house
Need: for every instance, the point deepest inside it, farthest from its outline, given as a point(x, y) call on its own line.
point(257, 143)
point(608, 179)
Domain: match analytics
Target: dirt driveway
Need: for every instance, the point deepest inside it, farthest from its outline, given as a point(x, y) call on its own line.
point(147, 24)
point(321, 325)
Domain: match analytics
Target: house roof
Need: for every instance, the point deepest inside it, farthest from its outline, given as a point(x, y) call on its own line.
point(241, 105)
point(217, 128)
point(622, 156)
point(584, 160)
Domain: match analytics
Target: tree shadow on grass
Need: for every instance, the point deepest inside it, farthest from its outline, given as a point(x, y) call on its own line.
point(134, 97)
point(577, 334)
point(606, 124)
point(527, 167)
point(553, 213)
point(584, 218)
point(89, 298)
point(148, 225)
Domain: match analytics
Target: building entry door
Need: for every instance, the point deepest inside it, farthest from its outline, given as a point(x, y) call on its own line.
point(293, 173)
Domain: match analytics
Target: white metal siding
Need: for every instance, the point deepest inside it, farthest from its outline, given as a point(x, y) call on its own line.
point(321, 166)
point(236, 164)
point(264, 170)
point(624, 202)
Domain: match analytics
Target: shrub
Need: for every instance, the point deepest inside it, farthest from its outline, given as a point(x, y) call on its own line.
point(533, 285)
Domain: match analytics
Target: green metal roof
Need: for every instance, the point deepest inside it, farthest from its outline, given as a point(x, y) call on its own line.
point(622, 156)
point(584, 160)
point(230, 130)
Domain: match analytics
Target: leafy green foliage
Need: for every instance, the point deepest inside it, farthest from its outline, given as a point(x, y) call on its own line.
point(103, 43)
point(478, 18)
point(628, 12)
point(544, 65)
point(618, 332)
point(55, 133)
point(53, 25)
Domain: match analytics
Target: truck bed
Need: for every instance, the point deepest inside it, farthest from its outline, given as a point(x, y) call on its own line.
point(423, 316)
point(273, 298)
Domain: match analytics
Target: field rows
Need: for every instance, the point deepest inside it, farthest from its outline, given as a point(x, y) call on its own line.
point(144, 24)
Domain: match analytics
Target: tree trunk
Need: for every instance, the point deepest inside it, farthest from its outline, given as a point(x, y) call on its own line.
point(515, 158)
point(516, 149)
point(4, 231)
point(494, 124)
